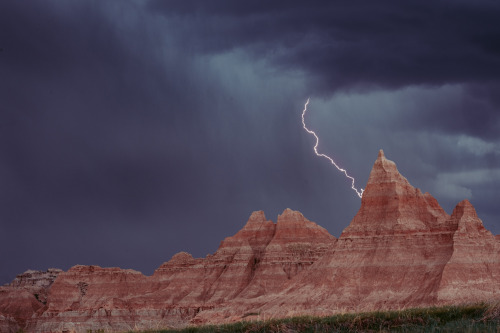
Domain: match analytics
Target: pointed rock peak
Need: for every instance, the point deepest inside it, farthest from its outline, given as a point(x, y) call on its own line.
point(257, 217)
point(292, 225)
point(466, 218)
point(381, 154)
point(385, 171)
point(256, 221)
point(464, 209)
point(289, 215)
point(466, 205)
point(391, 204)
point(257, 232)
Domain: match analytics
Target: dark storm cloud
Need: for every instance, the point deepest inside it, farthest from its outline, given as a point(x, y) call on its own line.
point(82, 121)
point(346, 44)
point(362, 46)
point(115, 141)
point(346, 47)
point(459, 109)
point(68, 79)
point(133, 130)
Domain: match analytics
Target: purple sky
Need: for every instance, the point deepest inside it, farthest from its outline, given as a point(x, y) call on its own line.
point(132, 130)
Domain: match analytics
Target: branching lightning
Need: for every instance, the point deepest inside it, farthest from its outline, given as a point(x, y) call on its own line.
point(358, 192)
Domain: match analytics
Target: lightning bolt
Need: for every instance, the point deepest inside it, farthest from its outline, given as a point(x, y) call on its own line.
point(358, 192)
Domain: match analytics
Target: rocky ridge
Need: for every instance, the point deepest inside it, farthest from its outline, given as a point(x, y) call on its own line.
point(400, 250)
point(26, 295)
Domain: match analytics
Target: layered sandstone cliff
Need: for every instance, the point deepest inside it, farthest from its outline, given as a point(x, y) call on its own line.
point(473, 272)
point(400, 250)
point(391, 255)
point(23, 297)
point(254, 263)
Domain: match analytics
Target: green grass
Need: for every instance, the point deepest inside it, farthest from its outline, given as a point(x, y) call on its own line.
point(470, 318)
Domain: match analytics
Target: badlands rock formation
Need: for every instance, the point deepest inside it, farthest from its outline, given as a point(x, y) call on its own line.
point(473, 271)
point(400, 250)
point(23, 297)
point(36, 282)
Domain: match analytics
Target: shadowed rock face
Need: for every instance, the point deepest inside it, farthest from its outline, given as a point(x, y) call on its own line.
point(401, 249)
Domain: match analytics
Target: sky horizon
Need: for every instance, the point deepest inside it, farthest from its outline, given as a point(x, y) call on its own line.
point(133, 130)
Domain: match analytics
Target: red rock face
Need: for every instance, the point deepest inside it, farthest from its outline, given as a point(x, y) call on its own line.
point(296, 244)
point(473, 272)
point(23, 297)
point(17, 305)
point(400, 241)
point(390, 205)
point(90, 298)
point(391, 255)
point(36, 282)
point(254, 263)
point(400, 250)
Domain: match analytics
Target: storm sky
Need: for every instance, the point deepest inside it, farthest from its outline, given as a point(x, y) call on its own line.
point(132, 130)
